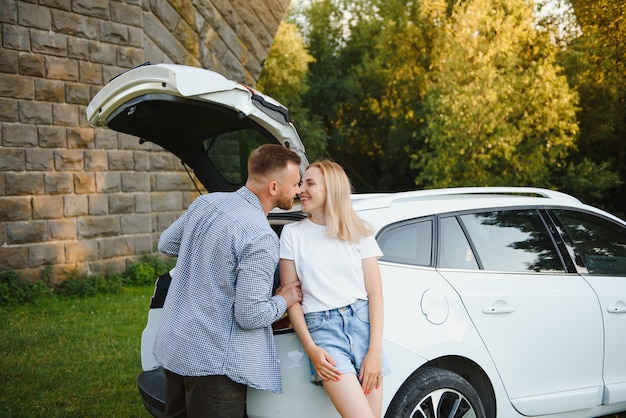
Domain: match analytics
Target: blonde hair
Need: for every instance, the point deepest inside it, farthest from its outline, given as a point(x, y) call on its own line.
point(341, 219)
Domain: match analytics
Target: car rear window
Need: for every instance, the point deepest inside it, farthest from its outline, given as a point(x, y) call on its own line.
point(408, 243)
point(454, 250)
point(228, 152)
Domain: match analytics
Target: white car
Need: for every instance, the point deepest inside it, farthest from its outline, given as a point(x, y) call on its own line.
point(507, 302)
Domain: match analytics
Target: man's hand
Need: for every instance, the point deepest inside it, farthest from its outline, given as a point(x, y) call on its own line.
point(291, 292)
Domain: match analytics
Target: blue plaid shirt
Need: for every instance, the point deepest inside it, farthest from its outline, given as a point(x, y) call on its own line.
point(219, 309)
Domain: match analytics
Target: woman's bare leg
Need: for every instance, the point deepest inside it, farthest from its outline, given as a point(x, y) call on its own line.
point(348, 397)
point(375, 400)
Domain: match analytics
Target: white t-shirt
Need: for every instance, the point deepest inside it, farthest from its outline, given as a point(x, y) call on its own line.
point(329, 269)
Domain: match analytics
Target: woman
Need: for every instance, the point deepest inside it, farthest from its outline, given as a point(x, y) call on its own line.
point(340, 320)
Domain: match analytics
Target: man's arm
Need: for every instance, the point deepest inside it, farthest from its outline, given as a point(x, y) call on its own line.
point(170, 239)
point(255, 307)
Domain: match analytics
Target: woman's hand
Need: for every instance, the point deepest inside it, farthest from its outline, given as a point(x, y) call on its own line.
point(371, 372)
point(324, 364)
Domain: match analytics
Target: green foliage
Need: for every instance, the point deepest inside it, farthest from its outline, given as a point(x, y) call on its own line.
point(595, 64)
point(404, 54)
point(286, 65)
point(347, 89)
point(83, 286)
point(160, 264)
point(476, 92)
point(14, 291)
point(591, 182)
point(140, 274)
point(498, 111)
point(147, 270)
point(284, 78)
point(446, 93)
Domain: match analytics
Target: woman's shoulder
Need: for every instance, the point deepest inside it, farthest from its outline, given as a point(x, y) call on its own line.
point(302, 227)
point(290, 228)
point(298, 224)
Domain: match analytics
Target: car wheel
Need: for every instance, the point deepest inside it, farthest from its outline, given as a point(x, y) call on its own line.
point(436, 393)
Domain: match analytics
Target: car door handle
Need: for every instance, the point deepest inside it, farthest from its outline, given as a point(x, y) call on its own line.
point(616, 309)
point(498, 309)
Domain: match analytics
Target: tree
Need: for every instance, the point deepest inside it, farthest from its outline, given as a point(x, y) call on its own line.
point(364, 86)
point(284, 78)
point(469, 92)
point(595, 63)
point(498, 110)
point(338, 41)
point(404, 57)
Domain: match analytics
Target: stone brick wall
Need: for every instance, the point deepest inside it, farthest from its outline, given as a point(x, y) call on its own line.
point(88, 200)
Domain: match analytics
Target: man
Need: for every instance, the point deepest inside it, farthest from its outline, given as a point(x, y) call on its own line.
point(215, 336)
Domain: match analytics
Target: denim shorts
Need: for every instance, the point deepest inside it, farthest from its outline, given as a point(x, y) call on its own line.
point(345, 334)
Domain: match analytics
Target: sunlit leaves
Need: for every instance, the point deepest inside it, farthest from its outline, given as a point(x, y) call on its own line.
point(498, 111)
point(446, 92)
point(284, 78)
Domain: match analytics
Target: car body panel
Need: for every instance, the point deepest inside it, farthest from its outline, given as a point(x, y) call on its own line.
point(306, 400)
point(424, 315)
point(148, 336)
point(300, 397)
point(611, 293)
point(538, 314)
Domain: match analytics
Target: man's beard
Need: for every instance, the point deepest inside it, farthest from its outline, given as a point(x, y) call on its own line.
point(285, 202)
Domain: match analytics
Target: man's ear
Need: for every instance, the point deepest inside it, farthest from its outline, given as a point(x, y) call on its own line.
point(272, 187)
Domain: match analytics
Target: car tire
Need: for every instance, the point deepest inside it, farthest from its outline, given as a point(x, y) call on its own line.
point(436, 393)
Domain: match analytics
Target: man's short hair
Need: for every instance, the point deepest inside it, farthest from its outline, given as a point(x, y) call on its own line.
point(269, 158)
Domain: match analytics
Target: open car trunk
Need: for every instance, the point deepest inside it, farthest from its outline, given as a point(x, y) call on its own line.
point(209, 122)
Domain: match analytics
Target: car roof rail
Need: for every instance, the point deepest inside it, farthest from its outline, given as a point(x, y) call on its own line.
point(386, 199)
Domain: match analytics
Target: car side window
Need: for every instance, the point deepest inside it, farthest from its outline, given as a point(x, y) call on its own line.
point(454, 250)
point(600, 242)
point(408, 243)
point(512, 240)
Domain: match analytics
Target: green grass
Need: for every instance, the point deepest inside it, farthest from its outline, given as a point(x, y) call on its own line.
point(73, 357)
